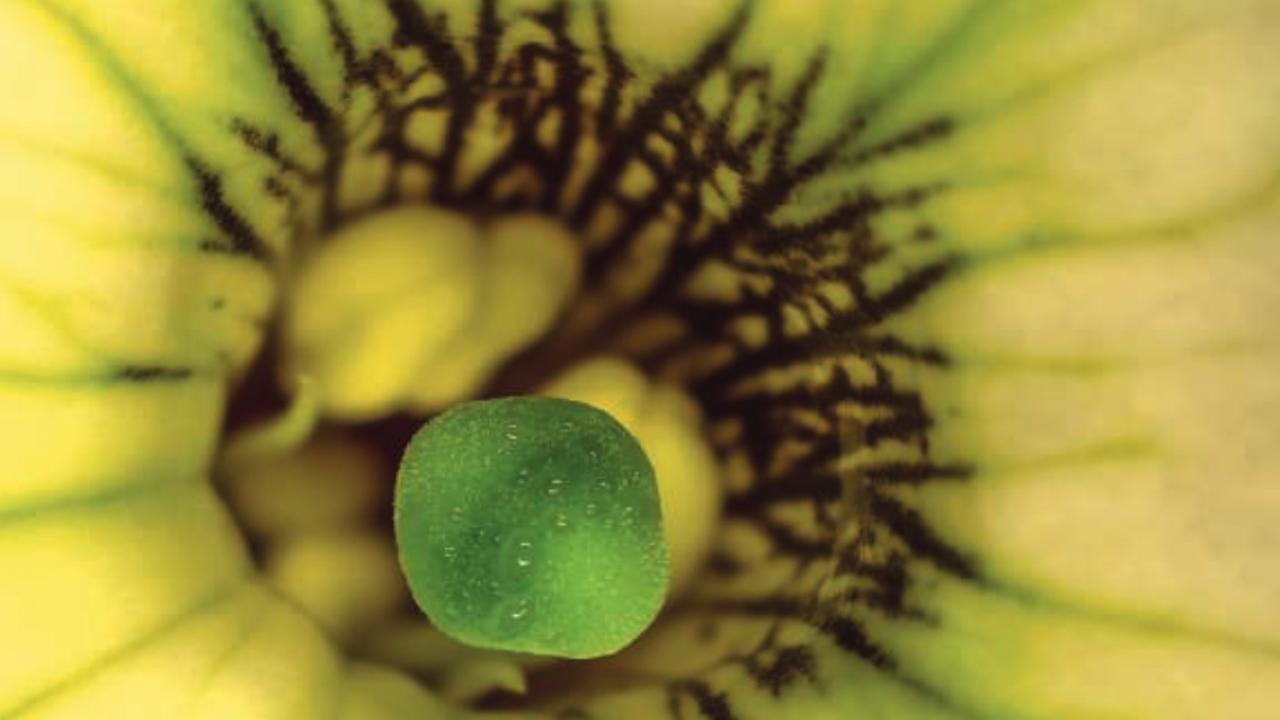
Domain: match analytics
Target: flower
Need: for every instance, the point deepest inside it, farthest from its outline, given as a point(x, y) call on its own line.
point(973, 297)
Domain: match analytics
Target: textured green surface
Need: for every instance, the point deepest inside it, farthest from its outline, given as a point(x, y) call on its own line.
point(532, 524)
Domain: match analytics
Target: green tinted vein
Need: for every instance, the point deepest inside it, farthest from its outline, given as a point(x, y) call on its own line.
point(208, 184)
point(115, 70)
point(103, 664)
point(1123, 449)
point(103, 499)
point(252, 624)
point(1133, 619)
point(117, 174)
point(951, 42)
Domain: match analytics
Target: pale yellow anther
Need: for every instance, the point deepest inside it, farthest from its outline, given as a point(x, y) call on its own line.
point(375, 301)
point(346, 581)
point(530, 267)
point(331, 483)
point(668, 425)
point(412, 309)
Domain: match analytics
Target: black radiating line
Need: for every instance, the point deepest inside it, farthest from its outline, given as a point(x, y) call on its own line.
point(153, 373)
point(414, 27)
point(244, 239)
point(666, 94)
point(908, 525)
point(306, 101)
point(712, 705)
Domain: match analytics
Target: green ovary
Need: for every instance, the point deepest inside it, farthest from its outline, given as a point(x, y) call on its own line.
point(532, 524)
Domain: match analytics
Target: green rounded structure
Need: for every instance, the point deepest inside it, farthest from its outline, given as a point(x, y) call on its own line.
point(532, 524)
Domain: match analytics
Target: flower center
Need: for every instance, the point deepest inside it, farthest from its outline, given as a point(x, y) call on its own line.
point(703, 233)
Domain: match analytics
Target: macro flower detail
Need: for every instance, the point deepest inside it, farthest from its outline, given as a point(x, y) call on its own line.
point(945, 329)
